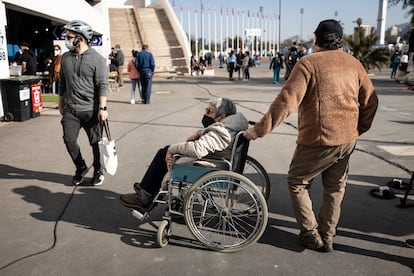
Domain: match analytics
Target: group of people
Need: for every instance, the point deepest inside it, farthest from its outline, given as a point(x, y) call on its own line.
point(331, 117)
point(399, 64)
point(141, 70)
point(240, 63)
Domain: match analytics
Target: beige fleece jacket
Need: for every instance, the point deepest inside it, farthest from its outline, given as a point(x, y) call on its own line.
point(335, 98)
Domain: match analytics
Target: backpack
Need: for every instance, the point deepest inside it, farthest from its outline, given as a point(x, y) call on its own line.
point(250, 63)
point(396, 59)
point(293, 56)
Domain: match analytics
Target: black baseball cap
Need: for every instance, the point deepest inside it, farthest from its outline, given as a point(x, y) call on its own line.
point(329, 26)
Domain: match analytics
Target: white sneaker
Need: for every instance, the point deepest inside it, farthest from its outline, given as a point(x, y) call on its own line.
point(132, 101)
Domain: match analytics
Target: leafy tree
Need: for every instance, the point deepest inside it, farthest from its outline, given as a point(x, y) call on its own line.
point(362, 47)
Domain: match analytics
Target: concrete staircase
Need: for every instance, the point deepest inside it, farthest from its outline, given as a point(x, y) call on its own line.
point(131, 28)
point(124, 30)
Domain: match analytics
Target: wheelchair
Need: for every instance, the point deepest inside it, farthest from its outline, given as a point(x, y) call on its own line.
point(224, 210)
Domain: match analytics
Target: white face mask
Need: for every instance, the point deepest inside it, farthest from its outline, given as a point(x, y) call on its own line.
point(69, 44)
point(57, 52)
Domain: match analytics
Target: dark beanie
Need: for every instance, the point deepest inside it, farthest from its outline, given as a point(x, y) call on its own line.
point(327, 27)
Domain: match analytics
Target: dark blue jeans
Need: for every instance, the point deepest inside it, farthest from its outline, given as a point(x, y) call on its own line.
point(146, 84)
point(72, 122)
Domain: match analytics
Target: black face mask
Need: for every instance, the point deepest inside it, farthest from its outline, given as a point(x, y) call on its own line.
point(207, 121)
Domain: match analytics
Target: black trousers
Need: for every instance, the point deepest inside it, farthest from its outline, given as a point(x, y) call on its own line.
point(152, 180)
point(72, 122)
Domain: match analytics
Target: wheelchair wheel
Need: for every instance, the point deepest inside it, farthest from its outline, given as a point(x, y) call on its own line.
point(225, 211)
point(163, 233)
point(254, 171)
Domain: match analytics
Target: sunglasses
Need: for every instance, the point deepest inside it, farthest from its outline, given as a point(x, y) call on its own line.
point(208, 110)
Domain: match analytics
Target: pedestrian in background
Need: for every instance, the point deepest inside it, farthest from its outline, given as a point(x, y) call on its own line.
point(82, 97)
point(239, 65)
point(276, 64)
point(120, 59)
point(145, 65)
point(135, 77)
point(231, 62)
point(54, 70)
point(333, 110)
point(402, 69)
point(28, 59)
point(247, 63)
point(395, 62)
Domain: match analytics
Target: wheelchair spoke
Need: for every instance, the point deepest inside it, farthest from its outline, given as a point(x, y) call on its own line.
point(225, 213)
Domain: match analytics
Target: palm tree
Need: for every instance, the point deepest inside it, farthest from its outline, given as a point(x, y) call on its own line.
point(361, 46)
point(405, 4)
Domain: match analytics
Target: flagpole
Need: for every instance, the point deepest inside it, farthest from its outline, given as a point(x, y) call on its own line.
point(237, 29)
point(232, 28)
point(221, 30)
point(215, 30)
point(209, 34)
point(227, 28)
point(243, 27)
point(280, 20)
point(202, 28)
point(189, 27)
point(181, 12)
point(196, 33)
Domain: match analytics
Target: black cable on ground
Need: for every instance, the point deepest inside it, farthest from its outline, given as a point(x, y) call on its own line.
point(54, 236)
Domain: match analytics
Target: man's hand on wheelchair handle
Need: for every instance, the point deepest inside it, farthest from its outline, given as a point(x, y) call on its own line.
point(250, 134)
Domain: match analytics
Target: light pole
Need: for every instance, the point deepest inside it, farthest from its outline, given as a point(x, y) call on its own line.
point(301, 23)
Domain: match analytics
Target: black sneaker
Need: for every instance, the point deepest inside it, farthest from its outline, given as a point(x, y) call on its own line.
point(80, 173)
point(97, 179)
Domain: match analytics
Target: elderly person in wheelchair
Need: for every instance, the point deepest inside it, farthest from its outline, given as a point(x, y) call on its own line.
point(221, 124)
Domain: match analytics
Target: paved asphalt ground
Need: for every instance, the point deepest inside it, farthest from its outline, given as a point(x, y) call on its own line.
point(49, 227)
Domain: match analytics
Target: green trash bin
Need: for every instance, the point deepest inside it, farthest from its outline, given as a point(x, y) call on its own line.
point(16, 96)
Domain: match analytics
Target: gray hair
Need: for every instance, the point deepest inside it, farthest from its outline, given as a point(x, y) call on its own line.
point(224, 106)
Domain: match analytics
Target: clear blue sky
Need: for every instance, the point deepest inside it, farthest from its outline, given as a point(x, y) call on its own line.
point(313, 12)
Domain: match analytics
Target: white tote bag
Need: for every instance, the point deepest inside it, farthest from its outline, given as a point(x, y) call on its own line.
point(107, 148)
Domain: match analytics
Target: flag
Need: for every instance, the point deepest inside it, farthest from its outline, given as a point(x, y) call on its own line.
point(181, 5)
point(248, 13)
point(188, 6)
point(202, 8)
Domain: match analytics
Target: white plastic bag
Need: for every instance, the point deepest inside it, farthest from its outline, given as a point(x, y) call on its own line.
point(108, 153)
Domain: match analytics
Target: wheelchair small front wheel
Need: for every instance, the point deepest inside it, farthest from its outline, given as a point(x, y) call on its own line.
point(163, 234)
